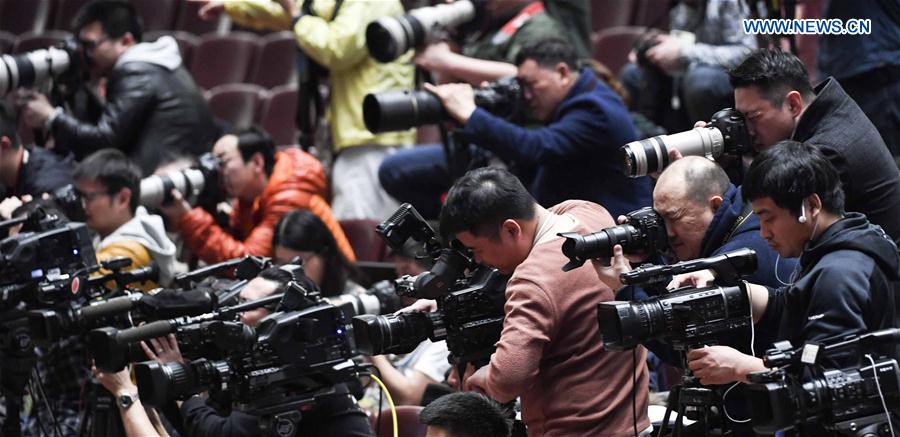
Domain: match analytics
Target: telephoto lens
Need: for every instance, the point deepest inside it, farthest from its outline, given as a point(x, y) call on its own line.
point(644, 232)
point(725, 133)
point(390, 37)
point(194, 184)
point(396, 333)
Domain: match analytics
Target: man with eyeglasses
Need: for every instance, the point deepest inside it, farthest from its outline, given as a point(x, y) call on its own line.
point(574, 155)
point(109, 185)
point(153, 110)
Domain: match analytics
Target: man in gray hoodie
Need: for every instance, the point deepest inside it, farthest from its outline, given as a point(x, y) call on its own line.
point(154, 111)
point(109, 186)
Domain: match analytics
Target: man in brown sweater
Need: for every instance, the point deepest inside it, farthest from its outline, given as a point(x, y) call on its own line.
point(550, 351)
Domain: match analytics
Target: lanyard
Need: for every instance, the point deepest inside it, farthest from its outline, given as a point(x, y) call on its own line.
point(510, 28)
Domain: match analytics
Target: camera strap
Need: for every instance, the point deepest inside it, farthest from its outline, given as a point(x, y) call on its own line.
point(512, 26)
point(746, 212)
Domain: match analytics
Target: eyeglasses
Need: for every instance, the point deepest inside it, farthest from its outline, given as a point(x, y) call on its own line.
point(88, 197)
point(91, 45)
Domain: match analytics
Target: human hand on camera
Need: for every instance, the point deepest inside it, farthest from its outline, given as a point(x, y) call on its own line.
point(609, 270)
point(674, 155)
point(423, 305)
point(8, 205)
point(117, 383)
point(163, 349)
point(713, 365)
point(700, 278)
point(458, 99)
point(36, 110)
point(177, 208)
point(666, 54)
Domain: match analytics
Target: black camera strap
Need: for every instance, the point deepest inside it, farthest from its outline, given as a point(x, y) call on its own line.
point(309, 102)
point(746, 212)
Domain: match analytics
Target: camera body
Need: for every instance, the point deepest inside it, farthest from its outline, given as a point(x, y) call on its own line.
point(46, 267)
point(726, 133)
point(401, 110)
point(685, 318)
point(800, 391)
point(644, 232)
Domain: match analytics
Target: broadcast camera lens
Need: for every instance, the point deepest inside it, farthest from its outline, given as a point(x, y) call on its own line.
point(401, 110)
point(161, 383)
point(396, 333)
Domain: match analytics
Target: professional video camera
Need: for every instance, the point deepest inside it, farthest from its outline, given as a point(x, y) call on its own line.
point(644, 232)
point(199, 185)
point(45, 267)
point(726, 133)
point(800, 392)
point(401, 110)
point(685, 318)
point(64, 62)
point(295, 355)
point(470, 306)
point(390, 37)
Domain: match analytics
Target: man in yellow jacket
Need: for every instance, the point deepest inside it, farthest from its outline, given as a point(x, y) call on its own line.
point(335, 39)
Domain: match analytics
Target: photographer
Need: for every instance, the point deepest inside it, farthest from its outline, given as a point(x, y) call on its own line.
point(571, 155)
point(265, 185)
point(550, 352)
point(848, 274)
point(772, 90)
point(28, 171)
point(689, 63)
point(331, 40)
point(334, 414)
point(109, 185)
point(154, 112)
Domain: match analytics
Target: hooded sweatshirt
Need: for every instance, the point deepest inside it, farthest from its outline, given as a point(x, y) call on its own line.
point(144, 240)
point(846, 284)
point(163, 52)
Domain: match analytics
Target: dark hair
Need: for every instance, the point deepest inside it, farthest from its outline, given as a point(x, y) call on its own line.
point(775, 72)
point(790, 171)
point(302, 230)
point(255, 140)
point(549, 52)
point(116, 17)
point(467, 414)
point(8, 126)
point(482, 199)
point(113, 169)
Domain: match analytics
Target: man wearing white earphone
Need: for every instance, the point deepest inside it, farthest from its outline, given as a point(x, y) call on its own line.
point(849, 271)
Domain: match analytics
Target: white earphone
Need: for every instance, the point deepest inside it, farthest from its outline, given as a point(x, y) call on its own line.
point(802, 218)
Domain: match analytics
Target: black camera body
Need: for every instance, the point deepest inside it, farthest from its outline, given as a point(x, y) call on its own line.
point(802, 392)
point(470, 306)
point(688, 317)
point(644, 232)
point(401, 110)
point(46, 267)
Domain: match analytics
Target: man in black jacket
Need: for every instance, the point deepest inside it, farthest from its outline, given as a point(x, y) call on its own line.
point(28, 170)
point(772, 90)
point(849, 271)
point(154, 112)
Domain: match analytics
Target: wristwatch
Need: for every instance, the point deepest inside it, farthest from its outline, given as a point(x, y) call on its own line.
point(126, 400)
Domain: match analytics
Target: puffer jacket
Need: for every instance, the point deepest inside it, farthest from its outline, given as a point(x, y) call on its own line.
point(153, 111)
point(297, 182)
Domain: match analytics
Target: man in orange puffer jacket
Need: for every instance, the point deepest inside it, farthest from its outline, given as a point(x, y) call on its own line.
point(265, 185)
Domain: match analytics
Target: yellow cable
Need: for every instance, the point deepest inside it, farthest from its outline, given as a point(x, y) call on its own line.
point(390, 403)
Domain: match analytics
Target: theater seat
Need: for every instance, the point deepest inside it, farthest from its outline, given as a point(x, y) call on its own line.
point(277, 114)
point(408, 424)
point(65, 12)
point(32, 41)
point(21, 16)
point(7, 40)
point(276, 64)
point(652, 13)
point(157, 14)
point(223, 59)
point(188, 19)
point(235, 103)
point(611, 46)
point(367, 245)
point(611, 14)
